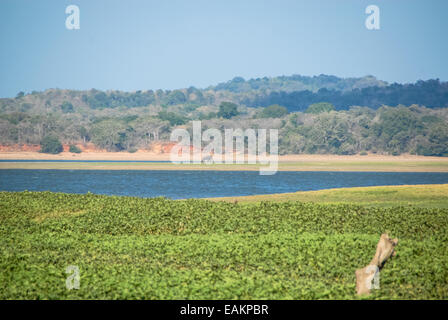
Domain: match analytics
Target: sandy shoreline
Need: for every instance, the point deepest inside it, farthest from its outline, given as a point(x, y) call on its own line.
point(149, 156)
point(371, 163)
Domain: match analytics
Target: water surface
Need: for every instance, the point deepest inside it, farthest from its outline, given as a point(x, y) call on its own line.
point(200, 184)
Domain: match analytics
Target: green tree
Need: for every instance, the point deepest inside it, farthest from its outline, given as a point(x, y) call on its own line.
point(109, 134)
point(396, 128)
point(83, 133)
point(207, 116)
point(175, 97)
point(74, 149)
point(67, 107)
point(227, 110)
point(172, 118)
point(319, 107)
point(20, 95)
point(436, 142)
point(51, 144)
point(273, 111)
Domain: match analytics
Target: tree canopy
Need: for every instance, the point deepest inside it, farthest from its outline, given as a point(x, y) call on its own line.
point(51, 144)
point(227, 110)
point(273, 111)
point(320, 107)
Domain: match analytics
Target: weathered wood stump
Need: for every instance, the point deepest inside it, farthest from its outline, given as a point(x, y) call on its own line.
point(364, 276)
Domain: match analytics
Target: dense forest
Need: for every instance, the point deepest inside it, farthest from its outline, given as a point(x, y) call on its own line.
point(431, 94)
point(320, 114)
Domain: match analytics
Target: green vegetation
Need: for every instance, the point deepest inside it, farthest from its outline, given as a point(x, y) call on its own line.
point(208, 116)
point(274, 111)
point(298, 83)
point(320, 107)
point(20, 94)
point(74, 149)
point(431, 93)
point(132, 248)
point(366, 115)
point(422, 196)
point(15, 118)
point(67, 107)
point(110, 134)
point(227, 110)
point(399, 125)
point(389, 130)
point(100, 100)
point(51, 144)
point(172, 118)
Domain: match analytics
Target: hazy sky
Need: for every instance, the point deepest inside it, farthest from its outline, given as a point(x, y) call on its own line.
point(138, 45)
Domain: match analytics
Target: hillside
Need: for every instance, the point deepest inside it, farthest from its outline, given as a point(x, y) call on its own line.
point(298, 83)
point(359, 115)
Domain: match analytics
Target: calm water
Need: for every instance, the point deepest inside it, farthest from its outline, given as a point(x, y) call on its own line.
point(200, 184)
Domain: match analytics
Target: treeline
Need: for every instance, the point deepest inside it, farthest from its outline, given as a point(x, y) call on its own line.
point(298, 83)
point(296, 93)
point(388, 130)
point(431, 93)
point(319, 130)
point(313, 114)
point(96, 99)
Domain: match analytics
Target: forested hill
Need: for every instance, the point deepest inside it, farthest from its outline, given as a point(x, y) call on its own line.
point(295, 92)
point(298, 92)
point(322, 114)
point(298, 83)
point(431, 93)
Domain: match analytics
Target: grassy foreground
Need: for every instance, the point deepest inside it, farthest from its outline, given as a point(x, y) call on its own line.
point(423, 196)
point(133, 248)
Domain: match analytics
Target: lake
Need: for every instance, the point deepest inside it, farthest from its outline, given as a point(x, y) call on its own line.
point(200, 184)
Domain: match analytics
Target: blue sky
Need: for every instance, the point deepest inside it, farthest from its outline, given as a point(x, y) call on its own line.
point(139, 45)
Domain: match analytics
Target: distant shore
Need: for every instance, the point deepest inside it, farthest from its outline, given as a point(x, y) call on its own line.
point(302, 162)
point(152, 156)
